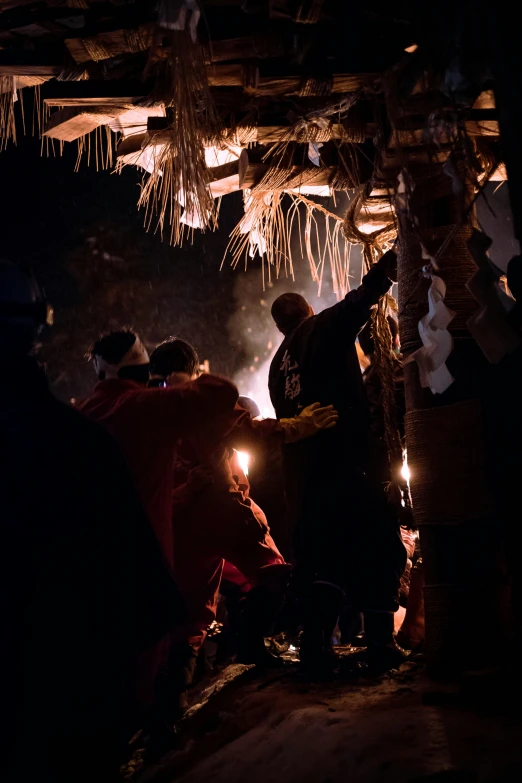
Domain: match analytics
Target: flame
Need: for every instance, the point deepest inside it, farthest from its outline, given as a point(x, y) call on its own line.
point(244, 461)
point(405, 471)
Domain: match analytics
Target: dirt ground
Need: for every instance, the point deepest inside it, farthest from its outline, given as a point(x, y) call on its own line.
point(400, 727)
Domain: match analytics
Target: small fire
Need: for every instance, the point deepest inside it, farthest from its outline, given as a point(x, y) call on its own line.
point(405, 471)
point(244, 461)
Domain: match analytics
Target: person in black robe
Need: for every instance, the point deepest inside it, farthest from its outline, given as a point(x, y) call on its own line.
point(335, 511)
point(82, 586)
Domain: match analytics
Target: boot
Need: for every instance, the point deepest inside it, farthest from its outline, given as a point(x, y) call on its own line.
point(172, 684)
point(316, 652)
point(260, 607)
point(383, 652)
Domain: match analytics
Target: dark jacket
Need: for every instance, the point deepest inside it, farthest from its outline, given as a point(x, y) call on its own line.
point(317, 362)
point(378, 448)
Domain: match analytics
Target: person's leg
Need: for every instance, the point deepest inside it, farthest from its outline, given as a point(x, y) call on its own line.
point(323, 606)
point(380, 578)
point(322, 548)
point(249, 547)
point(198, 576)
point(197, 572)
point(411, 633)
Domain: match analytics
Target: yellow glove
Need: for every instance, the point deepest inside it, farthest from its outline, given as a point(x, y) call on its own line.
point(310, 421)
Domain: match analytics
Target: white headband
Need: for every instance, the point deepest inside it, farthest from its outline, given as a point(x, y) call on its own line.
point(136, 355)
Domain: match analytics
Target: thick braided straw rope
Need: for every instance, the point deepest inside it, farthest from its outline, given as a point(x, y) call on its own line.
point(456, 266)
point(309, 12)
point(449, 482)
point(446, 608)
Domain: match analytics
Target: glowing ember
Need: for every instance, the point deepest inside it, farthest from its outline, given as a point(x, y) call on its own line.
point(244, 461)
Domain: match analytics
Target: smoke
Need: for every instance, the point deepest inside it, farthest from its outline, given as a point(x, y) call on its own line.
point(255, 337)
point(251, 329)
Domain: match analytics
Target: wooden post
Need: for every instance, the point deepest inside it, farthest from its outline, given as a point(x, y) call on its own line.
point(452, 501)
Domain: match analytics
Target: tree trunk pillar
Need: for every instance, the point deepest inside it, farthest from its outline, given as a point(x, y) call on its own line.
point(452, 502)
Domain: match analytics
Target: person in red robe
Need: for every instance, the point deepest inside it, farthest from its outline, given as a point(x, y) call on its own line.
point(147, 425)
point(215, 520)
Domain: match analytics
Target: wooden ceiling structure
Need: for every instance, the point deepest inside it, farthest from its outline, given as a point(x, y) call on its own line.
point(311, 97)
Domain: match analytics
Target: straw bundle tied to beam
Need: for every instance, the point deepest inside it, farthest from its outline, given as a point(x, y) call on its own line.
point(13, 89)
point(266, 228)
point(177, 190)
point(358, 213)
point(8, 95)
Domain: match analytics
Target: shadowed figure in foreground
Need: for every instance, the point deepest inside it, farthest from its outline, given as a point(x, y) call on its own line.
point(82, 585)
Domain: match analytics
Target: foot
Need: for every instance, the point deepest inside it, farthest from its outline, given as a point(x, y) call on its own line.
point(162, 739)
point(408, 642)
point(261, 658)
point(318, 661)
point(384, 657)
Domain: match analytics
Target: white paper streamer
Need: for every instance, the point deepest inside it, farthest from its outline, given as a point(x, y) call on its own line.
point(437, 342)
point(179, 15)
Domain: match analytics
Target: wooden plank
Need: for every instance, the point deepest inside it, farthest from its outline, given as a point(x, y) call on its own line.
point(483, 128)
point(486, 100)
point(29, 70)
point(263, 134)
point(95, 93)
point(110, 44)
point(131, 144)
point(225, 75)
point(251, 173)
point(71, 123)
point(262, 46)
point(415, 157)
point(225, 179)
point(230, 75)
point(500, 173)
point(414, 137)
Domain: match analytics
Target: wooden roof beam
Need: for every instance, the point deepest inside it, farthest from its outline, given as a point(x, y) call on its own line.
point(158, 132)
point(71, 123)
point(29, 70)
point(251, 173)
point(233, 75)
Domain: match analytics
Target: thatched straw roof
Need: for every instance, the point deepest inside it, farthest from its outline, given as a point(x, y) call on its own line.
point(213, 96)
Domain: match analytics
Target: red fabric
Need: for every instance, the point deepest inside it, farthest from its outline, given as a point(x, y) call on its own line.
point(219, 526)
point(147, 423)
point(220, 522)
point(233, 575)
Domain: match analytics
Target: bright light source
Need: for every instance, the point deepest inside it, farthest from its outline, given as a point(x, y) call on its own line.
point(405, 471)
point(244, 461)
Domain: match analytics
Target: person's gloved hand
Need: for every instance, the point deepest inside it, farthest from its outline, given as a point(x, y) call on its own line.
point(310, 421)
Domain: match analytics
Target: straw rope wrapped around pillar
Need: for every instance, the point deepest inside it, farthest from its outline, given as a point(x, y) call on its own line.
point(445, 606)
point(456, 267)
point(450, 486)
point(448, 464)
